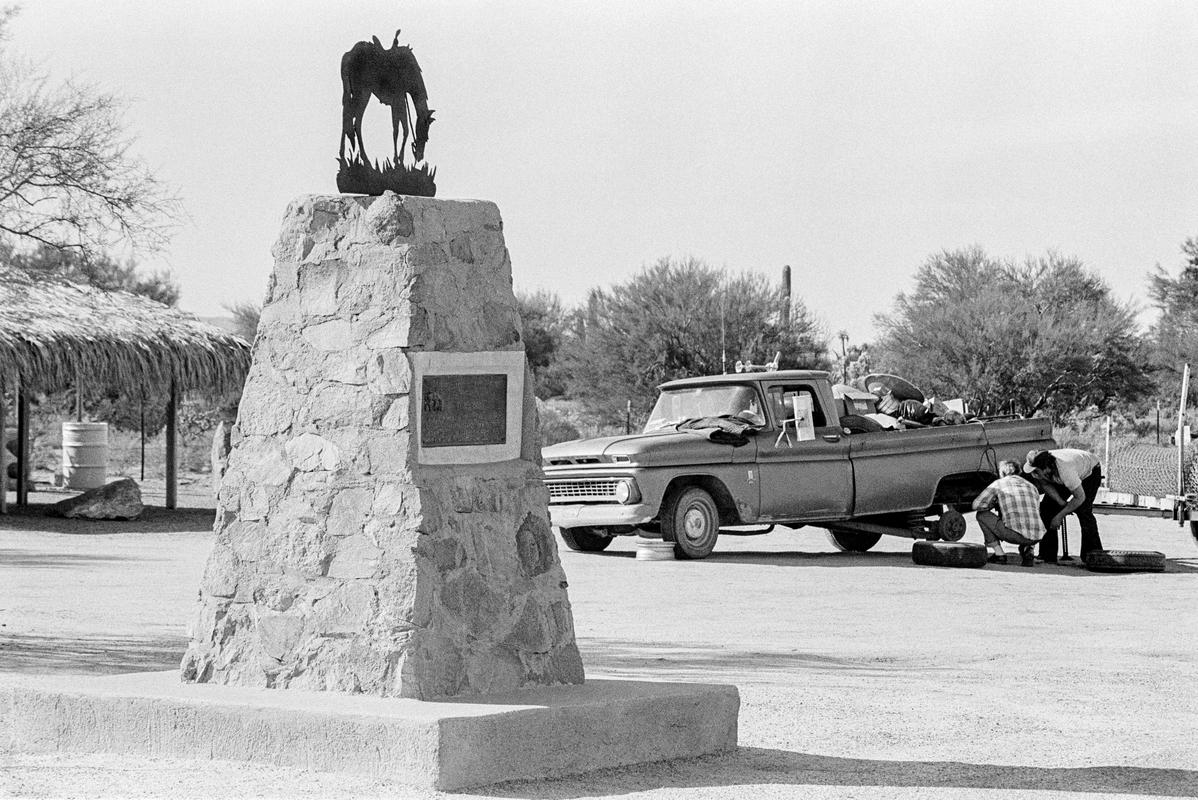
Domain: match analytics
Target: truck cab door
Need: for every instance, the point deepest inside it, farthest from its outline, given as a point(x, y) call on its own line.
point(803, 457)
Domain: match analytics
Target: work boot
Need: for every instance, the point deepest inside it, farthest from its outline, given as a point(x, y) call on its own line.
point(1026, 557)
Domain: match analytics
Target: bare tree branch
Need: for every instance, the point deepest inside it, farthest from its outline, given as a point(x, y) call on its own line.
point(68, 178)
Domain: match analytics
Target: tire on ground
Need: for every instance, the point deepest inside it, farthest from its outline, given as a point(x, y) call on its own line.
point(949, 554)
point(1125, 561)
point(852, 541)
point(691, 520)
point(586, 540)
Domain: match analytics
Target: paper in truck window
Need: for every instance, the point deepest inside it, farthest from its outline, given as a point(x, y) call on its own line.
point(803, 405)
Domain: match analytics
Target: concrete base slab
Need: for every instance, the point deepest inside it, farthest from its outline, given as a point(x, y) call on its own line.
point(449, 744)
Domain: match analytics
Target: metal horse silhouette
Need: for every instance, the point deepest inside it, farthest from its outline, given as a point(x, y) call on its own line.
point(392, 75)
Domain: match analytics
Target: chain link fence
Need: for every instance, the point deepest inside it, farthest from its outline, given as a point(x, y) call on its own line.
point(1149, 469)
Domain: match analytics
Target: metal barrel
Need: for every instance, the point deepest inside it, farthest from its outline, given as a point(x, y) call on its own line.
point(84, 454)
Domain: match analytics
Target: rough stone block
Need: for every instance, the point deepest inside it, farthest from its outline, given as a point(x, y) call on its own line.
point(534, 733)
point(120, 499)
point(350, 554)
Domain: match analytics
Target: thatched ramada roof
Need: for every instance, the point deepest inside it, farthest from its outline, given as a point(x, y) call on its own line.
point(52, 331)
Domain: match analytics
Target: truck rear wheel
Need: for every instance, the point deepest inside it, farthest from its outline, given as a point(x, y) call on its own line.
point(691, 520)
point(586, 540)
point(852, 541)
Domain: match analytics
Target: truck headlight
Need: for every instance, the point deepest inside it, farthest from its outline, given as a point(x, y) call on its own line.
point(626, 491)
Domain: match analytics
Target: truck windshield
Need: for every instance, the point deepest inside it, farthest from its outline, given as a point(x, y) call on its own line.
point(675, 405)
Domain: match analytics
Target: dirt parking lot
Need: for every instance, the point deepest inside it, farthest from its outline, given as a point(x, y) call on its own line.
point(860, 675)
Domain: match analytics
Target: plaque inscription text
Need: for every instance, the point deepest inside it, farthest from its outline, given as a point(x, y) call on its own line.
point(463, 410)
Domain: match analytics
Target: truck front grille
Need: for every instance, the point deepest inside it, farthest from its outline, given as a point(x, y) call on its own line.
point(587, 490)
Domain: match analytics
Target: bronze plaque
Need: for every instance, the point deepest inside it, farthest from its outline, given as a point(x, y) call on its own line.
point(463, 410)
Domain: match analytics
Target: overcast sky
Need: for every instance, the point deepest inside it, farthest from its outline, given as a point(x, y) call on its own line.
point(847, 140)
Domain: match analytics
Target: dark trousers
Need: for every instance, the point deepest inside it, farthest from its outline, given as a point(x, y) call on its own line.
point(1085, 518)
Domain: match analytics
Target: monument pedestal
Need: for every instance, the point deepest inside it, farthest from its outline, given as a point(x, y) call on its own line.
point(384, 592)
point(451, 744)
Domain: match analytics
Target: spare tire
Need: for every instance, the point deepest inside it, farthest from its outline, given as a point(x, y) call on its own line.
point(852, 541)
point(585, 540)
point(949, 554)
point(1125, 561)
point(855, 423)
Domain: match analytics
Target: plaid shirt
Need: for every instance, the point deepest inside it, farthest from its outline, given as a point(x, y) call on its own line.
point(1018, 503)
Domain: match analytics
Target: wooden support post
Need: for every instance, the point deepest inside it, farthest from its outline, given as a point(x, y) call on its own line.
point(22, 446)
point(142, 409)
point(1106, 455)
point(78, 395)
point(3, 445)
point(172, 463)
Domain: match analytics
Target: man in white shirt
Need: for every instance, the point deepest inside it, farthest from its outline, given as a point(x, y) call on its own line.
point(1072, 474)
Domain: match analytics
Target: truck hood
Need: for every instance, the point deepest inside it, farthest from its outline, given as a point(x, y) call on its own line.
point(641, 449)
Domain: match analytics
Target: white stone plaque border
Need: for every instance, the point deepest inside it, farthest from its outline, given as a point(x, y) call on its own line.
point(488, 362)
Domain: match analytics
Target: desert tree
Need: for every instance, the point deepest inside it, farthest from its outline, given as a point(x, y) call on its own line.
point(1045, 335)
point(852, 363)
point(1174, 335)
point(246, 315)
point(680, 318)
point(68, 177)
point(547, 325)
point(94, 269)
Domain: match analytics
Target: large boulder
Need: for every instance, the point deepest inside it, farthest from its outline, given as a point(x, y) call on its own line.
point(120, 499)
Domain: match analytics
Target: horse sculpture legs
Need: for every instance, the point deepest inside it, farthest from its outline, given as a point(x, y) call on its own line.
point(352, 108)
point(399, 118)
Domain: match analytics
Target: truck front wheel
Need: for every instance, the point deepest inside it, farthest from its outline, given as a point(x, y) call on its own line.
point(852, 541)
point(586, 540)
point(691, 521)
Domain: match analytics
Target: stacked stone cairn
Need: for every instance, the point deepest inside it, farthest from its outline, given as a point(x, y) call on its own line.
point(340, 562)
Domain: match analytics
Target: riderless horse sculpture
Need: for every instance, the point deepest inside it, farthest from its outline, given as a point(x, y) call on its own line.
point(392, 75)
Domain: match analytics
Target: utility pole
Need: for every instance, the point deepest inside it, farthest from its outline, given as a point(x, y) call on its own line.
point(786, 296)
point(844, 356)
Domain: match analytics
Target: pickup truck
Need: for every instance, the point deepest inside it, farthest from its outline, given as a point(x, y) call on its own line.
point(741, 453)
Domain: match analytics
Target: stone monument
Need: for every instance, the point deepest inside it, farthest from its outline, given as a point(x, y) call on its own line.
point(384, 593)
point(382, 525)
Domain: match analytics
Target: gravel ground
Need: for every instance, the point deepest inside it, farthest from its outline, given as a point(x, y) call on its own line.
point(860, 675)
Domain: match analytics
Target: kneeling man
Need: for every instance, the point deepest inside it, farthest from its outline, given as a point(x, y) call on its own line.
point(1009, 511)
